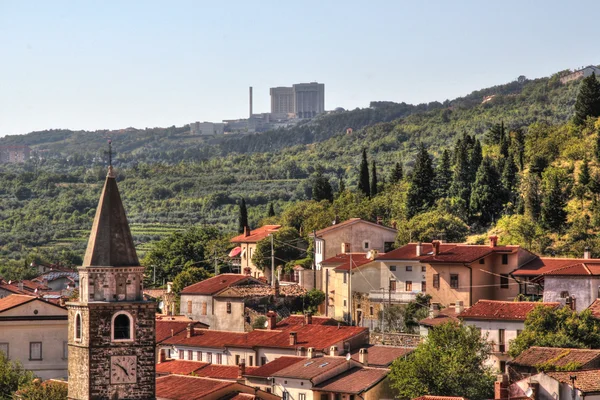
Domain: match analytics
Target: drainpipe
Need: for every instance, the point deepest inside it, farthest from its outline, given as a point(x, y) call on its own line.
point(470, 284)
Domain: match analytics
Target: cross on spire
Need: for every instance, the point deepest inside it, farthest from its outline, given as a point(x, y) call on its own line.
point(111, 173)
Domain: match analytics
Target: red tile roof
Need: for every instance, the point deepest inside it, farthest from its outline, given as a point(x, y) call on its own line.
point(180, 367)
point(355, 381)
point(310, 368)
point(316, 320)
point(409, 251)
point(12, 288)
point(502, 310)
point(464, 253)
point(14, 300)
point(446, 315)
point(218, 371)
point(256, 235)
point(167, 328)
point(439, 398)
point(207, 338)
point(382, 356)
point(349, 222)
point(353, 259)
point(559, 357)
point(595, 308)
point(579, 269)
point(274, 366)
point(181, 387)
point(217, 283)
point(586, 381)
point(541, 266)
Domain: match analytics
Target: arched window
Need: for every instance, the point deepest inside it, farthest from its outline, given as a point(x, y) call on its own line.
point(78, 327)
point(122, 326)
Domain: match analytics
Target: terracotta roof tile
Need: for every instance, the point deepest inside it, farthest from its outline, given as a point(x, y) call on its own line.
point(256, 235)
point(180, 367)
point(595, 308)
point(579, 269)
point(586, 381)
point(446, 315)
point(559, 357)
point(502, 310)
point(166, 329)
point(545, 265)
point(207, 338)
point(355, 381)
point(218, 371)
point(217, 283)
point(274, 366)
point(14, 300)
point(181, 387)
point(464, 253)
point(311, 368)
point(409, 252)
point(382, 356)
point(439, 398)
point(349, 222)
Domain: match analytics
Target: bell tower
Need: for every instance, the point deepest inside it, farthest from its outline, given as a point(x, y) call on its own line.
point(111, 327)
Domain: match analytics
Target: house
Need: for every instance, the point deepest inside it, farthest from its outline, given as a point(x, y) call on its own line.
point(379, 356)
point(58, 280)
point(500, 322)
point(181, 387)
point(439, 317)
point(246, 245)
point(261, 377)
point(580, 73)
point(532, 360)
point(554, 385)
point(354, 235)
point(34, 332)
point(232, 373)
point(295, 335)
point(7, 288)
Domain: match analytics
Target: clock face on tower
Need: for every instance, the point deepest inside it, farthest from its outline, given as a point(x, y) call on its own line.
point(123, 369)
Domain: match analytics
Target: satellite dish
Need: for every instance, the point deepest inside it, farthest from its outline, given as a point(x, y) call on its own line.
point(348, 357)
point(266, 324)
point(528, 392)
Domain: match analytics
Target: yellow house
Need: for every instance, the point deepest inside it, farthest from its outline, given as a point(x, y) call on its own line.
point(246, 245)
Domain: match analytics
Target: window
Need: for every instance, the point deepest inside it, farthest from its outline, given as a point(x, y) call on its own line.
point(209, 357)
point(250, 361)
point(436, 281)
point(423, 286)
point(504, 259)
point(65, 350)
point(199, 355)
point(263, 360)
point(344, 303)
point(189, 307)
point(482, 261)
point(454, 281)
point(324, 397)
point(237, 359)
point(122, 326)
point(408, 286)
point(408, 268)
point(501, 336)
point(502, 366)
point(4, 349)
point(366, 245)
point(423, 269)
point(219, 358)
point(203, 308)
point(370, 310)
point(301, 396)
point(35, 350)
point(286, 396)
point(190, 355)
point(181, 354)
point(392, 286)
point(345, 278)
point(392, 268)
point(228, 307)
point(388, 246)
point(504, 281)
point(169, 353)
point(78, 327)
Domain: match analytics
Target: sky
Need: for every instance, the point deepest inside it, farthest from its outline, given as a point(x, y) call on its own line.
point(116, 64)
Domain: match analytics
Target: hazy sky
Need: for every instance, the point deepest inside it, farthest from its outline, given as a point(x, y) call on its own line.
point(114, 64)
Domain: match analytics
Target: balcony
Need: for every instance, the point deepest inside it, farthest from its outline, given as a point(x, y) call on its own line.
point(500, 348)
point(396, 297)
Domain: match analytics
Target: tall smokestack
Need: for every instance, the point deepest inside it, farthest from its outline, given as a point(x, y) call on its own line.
point(250, 102)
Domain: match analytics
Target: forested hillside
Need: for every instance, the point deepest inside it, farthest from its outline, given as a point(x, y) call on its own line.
point(514, 164)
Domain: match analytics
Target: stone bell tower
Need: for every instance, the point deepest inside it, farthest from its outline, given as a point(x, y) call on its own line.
point(111, 327)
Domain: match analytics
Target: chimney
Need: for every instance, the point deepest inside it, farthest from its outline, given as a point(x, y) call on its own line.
point(169, 287)
point(379, 220)
point(162, 356)
point(493, 241)
point(459, 307)
point(394, 224)
point(190, 331)
point(434, 310)
point(241, 368)
point(293, 338)
point(272, 319)
point(501, 387)
point(246, 231)
point(535, 389)
point(372, 254)
point(20, 285)
point(310, 353)
point(336, 220)
point(300, 351)
point(363, 357)
point(436, 247)
point(333, 351)
point(250, 102)
point(345, 248)
point(573, 304)
point(586, 253)
point(308, 318)
point(419, 249)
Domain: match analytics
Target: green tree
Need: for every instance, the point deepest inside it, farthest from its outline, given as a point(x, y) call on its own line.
point(363, 180)
point(496, 134)
point(519, 230)
point(420, 196)
point(341, 185)
point(271, 210)
point(430, 226)
point(243, 217)
point(49, 390)
point(450, 362)
point(443, 176)
point(588, 100)
point(189, 276)
point(509, 174)
point(12, 377)
point(397, 173)
point(557, 327)
point(486, 198)
point(373, 179)
point(312, 300)
point(553, 213)
point(321, 189)
point(584, 173)
point(415, 311)
point(597, 147)
point(285, 244)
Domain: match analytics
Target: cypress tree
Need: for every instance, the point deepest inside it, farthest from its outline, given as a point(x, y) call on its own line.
point(341, 184)
point(271, 211)
point(363, 180)
point(397, 173)
point(509, 174)
point(475, 159)
point(443, 176)
point(321, 189)
point(597, 153)
point(485, 198)
point(420, 195)
point(584, 174)
point(373, 179)
point(553, 211)
point(588, 100)
point(243, 217)
point(461, 177)
point(531, 196)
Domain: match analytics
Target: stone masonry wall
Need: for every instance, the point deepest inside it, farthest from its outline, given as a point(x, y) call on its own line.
point(395, 339)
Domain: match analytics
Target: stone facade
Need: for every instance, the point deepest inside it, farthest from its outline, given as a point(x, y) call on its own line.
point(395, 339)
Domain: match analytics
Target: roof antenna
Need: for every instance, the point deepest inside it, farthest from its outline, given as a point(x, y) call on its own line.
point(111, 173)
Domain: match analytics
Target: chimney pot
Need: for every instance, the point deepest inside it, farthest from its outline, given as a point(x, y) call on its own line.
point(272, 319)
point(434, 310)
point(162, 356)
point(459, 307)
point(379, 220)
point(246, 231)
point(586, 253)
point(363, 357)
point(308, 318)
point(333, 351)
point(293, 338)
point(310, 353)
point(394, 224)
point(242, 368)
point(436, 247)
point(493, 241)
point(419, 249)
point(190, 331)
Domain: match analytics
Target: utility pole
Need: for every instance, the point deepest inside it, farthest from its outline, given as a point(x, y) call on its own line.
point(382, 316)
point(315, 259)
point(272, 263)
point(216, 263)
point(350, 292)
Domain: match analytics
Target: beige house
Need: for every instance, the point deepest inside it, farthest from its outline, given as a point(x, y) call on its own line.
point(246, 245)
point(352, 236)
point(34, 332)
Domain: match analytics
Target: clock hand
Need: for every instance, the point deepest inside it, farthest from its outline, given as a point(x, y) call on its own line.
point(123, 368)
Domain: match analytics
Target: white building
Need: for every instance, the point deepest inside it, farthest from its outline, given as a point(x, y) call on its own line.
point(207, 128)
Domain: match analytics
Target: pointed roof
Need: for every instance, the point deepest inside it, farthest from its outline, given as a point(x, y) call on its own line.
point(110, 243)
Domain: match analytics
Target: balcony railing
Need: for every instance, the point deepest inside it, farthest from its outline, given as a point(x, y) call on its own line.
point(394, 297)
